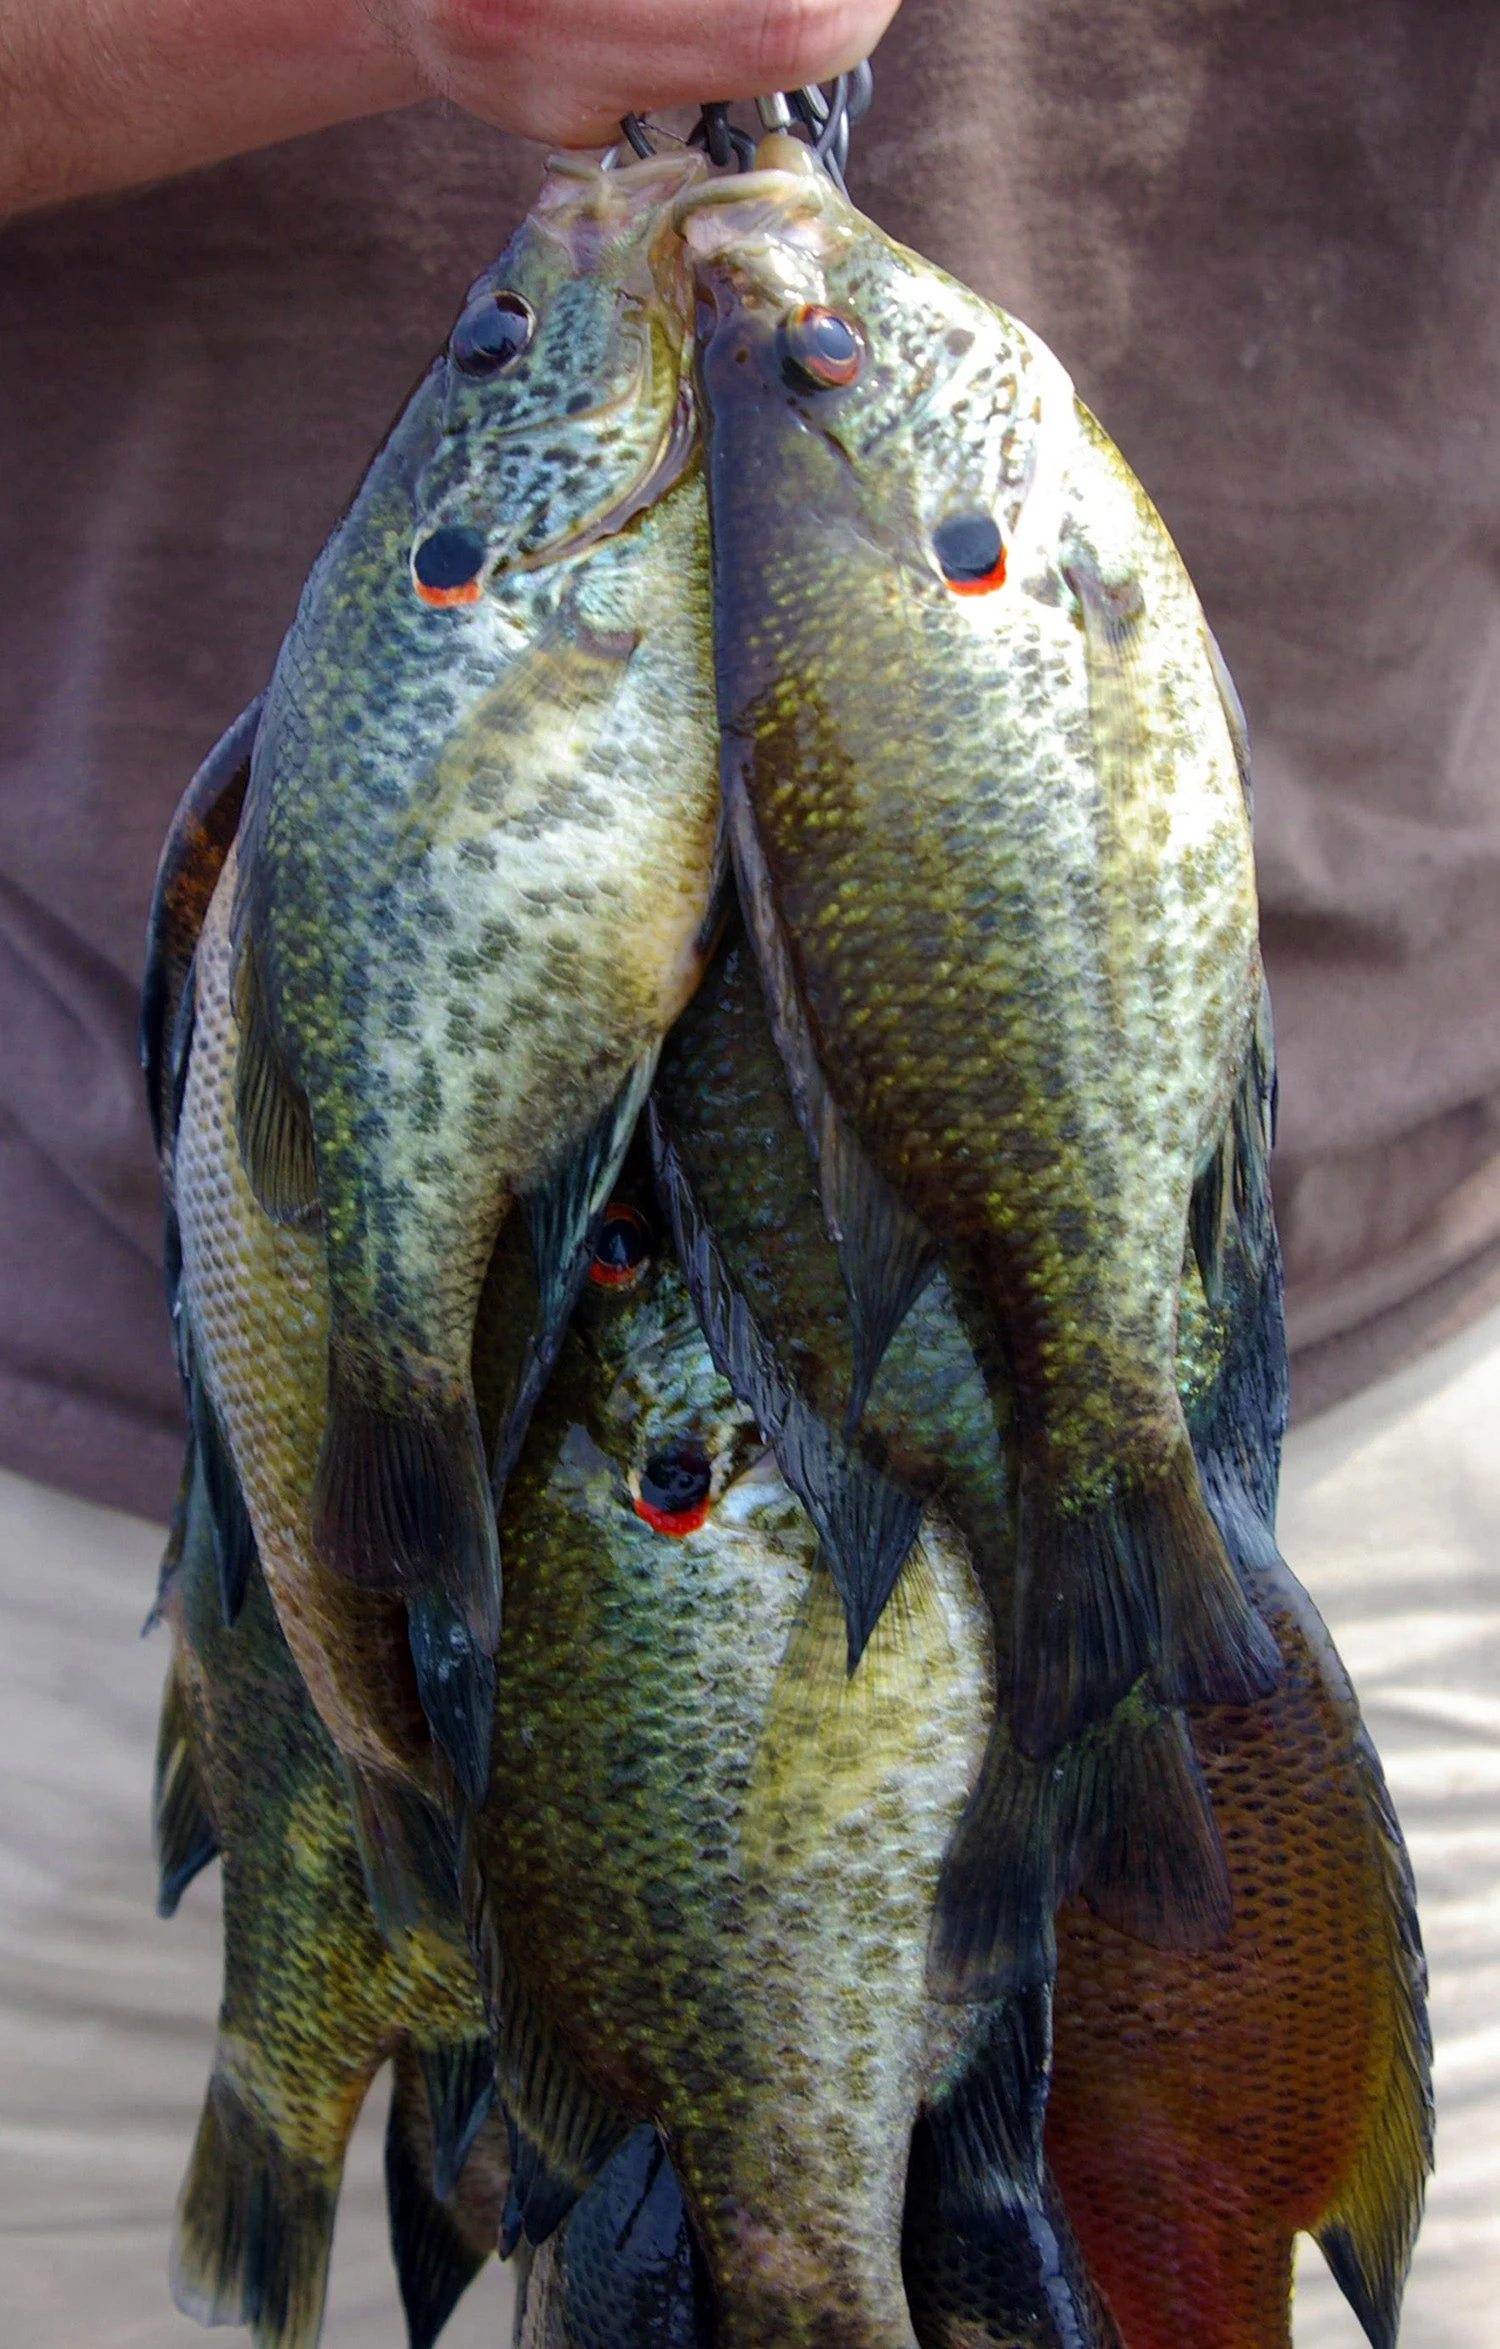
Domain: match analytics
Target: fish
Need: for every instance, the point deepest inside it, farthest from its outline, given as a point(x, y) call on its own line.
point(315, 1998)
point(477, 875)
point(1207, 2106)
point(715, 1852)
point(986, 799)
point(252, 1311)
point(1205, 2109)
point(1122, 1812)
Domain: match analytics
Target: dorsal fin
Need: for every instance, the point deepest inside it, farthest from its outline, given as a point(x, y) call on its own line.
point(192, 859)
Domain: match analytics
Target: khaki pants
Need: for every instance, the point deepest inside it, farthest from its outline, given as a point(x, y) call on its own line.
point(1391, 1515)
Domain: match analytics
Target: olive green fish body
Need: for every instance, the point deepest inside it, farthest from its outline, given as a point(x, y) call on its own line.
point(937, 1424)
point(315, 1999)
point(718, 1850)
point(995, 853)
point(478, 859)
point(254, 1302)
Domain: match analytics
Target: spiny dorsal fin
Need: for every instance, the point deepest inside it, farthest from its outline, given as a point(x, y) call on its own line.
point(271, 1115)
point(254, 2229)
point(562, 2131)
point(185, 1834)
point(438, 2244)
point(192, 859)
point(865, 1521)
point(886, 1254)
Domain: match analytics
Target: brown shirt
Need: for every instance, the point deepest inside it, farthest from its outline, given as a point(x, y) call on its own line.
point(1262, 238)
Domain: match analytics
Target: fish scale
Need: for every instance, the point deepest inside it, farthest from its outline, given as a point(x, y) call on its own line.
point(477, 859)
point(995, 856)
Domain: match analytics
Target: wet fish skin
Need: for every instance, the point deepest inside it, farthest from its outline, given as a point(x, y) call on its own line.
point(718, 1850)
point(254, 1296)
point(1121, 1810)
point(315, 2000)
point(478, 856)
point(995, 854)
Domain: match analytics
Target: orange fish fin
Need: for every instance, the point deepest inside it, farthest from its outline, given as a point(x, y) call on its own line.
point(1368, 2234)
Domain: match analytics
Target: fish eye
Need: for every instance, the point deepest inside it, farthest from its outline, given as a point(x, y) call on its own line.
point(820, 348)
point(970, 553)
point(674, 1488)
point(491, 333)
point(446, 565)
point(622, 1249)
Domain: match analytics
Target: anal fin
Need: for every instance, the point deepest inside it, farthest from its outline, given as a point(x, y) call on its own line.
point(407, 1851)
point(184, 1831)
point(459, 2076)
point(439, 2239)
point(886, 1254)
point(561, 2129)
point(561, 1217)
point(456, 1682)
point(865, 1522)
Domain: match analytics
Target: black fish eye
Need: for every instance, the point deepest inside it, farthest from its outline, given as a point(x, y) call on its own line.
point(491, 333)
point(820, 348)
point(447, 563)
point(623, 1246)
point(675, 1485)
point(970, 551)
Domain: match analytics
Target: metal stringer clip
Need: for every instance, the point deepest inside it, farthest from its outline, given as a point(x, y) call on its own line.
point(826, 119)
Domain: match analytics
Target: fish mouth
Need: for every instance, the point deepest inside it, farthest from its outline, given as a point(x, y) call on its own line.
point(764, 236)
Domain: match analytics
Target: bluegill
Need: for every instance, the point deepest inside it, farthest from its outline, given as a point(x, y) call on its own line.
point(1121, 1811)
point(986, 795)
point(253, 1319)
point(715, 1852)
point(315, 1999)
point(476, 866)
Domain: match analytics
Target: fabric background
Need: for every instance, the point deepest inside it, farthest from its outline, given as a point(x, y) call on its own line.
point(1264, 236)
point(1389, 1510)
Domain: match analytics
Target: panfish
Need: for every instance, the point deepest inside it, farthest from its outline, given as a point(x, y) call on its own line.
point(985, 788)
point(1207, 2108)
point(253, 1316)
point(1122, 1810)
point(718, 1852)
point(476, 867)
point(315, 1998)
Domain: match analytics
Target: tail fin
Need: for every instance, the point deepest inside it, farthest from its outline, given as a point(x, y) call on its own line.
point(985, 2251)
point(1368, 2234)
point(184, 1831)
point(1137, 1582)
point(439, 2240)
point(254, 2229)
point(1121, 1814)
